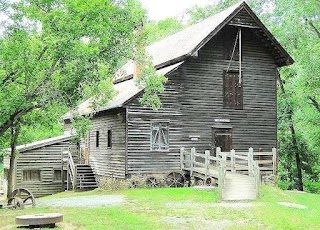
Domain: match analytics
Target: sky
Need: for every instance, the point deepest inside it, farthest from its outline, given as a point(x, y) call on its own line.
point(161, 9)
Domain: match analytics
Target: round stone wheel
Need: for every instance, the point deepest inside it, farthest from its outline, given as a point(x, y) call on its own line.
point(48, 219)
point(175, 180)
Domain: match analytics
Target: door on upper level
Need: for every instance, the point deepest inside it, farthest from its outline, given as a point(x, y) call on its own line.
point(221, 137)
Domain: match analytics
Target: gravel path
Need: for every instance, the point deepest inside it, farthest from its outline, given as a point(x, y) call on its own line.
point(83, 201)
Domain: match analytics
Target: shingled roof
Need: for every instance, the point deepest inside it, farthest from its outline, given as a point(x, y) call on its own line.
point(169, 53)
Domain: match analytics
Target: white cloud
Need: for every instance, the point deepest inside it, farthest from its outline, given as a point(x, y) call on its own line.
point(159, 10)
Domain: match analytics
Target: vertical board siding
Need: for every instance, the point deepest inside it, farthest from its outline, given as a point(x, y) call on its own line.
point(109, 162)
point(46, 159)
point(193, 99)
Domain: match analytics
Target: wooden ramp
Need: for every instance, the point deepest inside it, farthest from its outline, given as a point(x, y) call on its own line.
point(238, 187)
point(238, 174)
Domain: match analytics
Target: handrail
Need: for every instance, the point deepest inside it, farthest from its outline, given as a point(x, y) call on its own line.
point(72, 170)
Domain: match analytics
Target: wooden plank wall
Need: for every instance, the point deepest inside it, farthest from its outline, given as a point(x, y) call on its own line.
point(46, 159)
point(193, 99)
point(109, 162)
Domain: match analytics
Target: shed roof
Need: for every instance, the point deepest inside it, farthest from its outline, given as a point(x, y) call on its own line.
point(169, 53)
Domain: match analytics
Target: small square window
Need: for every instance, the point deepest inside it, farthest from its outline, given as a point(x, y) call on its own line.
point(159, 136)
point(31, 175)
point(57, 175)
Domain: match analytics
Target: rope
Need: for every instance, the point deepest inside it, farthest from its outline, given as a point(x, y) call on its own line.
point(234, 49)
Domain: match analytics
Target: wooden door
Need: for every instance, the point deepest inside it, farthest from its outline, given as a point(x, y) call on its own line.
point(221, 137)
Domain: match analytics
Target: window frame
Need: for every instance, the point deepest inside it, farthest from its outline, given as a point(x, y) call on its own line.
point(23, 177)
point(238, 104)
point(162, 123)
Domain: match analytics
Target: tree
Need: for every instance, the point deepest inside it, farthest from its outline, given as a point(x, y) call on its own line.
point(61, 51)
point(55, 53)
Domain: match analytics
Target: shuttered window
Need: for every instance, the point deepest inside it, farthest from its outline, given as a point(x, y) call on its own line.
point(232, 91)
point(159, 136)
point(31, 175)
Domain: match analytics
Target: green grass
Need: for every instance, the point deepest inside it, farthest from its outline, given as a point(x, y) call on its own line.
point(151, 209)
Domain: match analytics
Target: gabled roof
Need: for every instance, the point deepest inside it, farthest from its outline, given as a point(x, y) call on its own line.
point(125, 91)
point(185, 43)
point(169, 53)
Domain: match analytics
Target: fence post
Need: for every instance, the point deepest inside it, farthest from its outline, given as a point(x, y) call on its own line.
point(206, 162)
point(193, 151)
point(233, 161)
point(250, 161)
point(218, 152)
point(274, 160)
point(182, 158)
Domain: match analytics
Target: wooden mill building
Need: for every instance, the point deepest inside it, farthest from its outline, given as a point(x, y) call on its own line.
point(221, 92)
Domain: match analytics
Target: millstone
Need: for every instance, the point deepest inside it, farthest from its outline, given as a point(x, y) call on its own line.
point(39, 220)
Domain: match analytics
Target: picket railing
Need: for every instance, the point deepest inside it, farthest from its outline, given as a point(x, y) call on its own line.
point(235, 162)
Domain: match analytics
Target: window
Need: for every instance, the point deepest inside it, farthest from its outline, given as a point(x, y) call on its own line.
point(31, 175)
point(159, 136)
point(97, 139)
point(57, 175)
point(109, 138)
point(232, 90)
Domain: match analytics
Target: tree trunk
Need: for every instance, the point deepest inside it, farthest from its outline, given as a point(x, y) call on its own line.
point(293, 139)
point(11, 175)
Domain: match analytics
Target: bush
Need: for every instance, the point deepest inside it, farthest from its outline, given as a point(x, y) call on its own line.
point(313, 187)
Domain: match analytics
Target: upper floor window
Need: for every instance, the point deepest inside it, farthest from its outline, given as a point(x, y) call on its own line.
point(231, 45)
point(97, 139)
point(159, 136)
point(109, 138)
point(232, 90)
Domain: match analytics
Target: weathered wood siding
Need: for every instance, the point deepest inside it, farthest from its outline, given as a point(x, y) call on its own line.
point(193, 99)
point(46, 159)
point(109, 162)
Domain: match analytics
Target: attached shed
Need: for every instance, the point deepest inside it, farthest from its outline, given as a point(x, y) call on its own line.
point(40, 166)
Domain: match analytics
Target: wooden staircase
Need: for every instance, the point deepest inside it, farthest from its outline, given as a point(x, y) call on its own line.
point(238, 187)
point(85, 178)
point(80, 176)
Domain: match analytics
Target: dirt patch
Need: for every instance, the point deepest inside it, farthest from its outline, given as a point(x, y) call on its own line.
point(292, 205)
point(82, 201)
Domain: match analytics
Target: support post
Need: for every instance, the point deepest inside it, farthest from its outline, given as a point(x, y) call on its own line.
point(274, 160)
point(182, 158)
point(75, 178)
point(250, 161)
point(193, 151)
point(206, 162)
point(233, 161)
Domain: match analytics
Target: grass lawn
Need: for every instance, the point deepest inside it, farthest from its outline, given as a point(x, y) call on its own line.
point(183, 208)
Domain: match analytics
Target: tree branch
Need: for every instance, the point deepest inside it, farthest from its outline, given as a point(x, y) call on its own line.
point(314, 103)
point(313, 27)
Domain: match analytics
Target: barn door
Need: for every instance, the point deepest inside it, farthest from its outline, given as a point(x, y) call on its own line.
point(221, 137)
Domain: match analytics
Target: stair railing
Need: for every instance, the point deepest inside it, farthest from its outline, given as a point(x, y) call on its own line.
point(72, 172)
